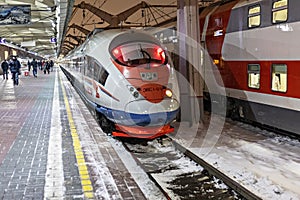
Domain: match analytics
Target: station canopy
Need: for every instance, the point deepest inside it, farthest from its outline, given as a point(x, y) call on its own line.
point(51, 28)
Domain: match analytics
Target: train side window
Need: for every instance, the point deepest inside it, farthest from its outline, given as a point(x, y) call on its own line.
point(90, 67)
point(84, 63)
point(80, 64)
point(254, 16)
point(254, 76)
point(96, 70)
point(279, 77)
point(280, 11)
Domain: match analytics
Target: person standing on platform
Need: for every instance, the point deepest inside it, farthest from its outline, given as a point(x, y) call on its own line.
point(47, 67)
point(51, 65)
point(43, 65)
point(4, 66)
point(29, 65)
point(15, 67)
point(34, 65)
point(39, 62)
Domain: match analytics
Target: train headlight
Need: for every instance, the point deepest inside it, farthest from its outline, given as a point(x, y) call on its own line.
point(131, 89)
point(169, 93)
point(136, 94)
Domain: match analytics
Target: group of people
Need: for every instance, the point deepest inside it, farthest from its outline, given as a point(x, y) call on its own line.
point(46, 66)
point(14, 66)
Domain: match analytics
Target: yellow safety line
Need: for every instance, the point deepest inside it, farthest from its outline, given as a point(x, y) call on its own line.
point(83, 171)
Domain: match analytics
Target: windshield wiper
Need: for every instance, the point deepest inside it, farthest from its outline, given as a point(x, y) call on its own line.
point(145, 54)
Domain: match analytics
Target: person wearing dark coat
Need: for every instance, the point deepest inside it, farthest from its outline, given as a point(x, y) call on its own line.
point(15, 66)
point(29, 65)
point(4, 66)
point(47, 67)
point(34, 65)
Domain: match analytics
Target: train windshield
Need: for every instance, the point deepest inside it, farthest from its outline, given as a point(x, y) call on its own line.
point(134, 54)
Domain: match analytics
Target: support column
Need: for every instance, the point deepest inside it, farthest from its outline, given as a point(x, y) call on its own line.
point(188, 28)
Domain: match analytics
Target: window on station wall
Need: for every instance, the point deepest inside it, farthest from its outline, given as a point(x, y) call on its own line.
point(254, 76)
point(280, 11)
point(279, 77)
point(254, 16)
point(14, 53)
point(6, 54)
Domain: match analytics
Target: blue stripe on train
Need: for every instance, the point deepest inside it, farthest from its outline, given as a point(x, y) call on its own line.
point(130, 119)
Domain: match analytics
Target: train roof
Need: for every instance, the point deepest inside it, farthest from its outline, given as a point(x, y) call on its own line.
point(245, 3)
point(240, 3)
point(117, 37)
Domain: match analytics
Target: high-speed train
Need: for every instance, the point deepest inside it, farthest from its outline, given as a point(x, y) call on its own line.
point(128, 80)
point(255, 46)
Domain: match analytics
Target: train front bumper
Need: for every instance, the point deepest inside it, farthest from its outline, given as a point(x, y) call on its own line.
point(144, 113)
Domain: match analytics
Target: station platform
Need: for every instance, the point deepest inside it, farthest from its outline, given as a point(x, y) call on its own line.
point(42, 154)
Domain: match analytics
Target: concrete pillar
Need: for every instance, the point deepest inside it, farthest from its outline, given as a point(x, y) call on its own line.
point(188, 28)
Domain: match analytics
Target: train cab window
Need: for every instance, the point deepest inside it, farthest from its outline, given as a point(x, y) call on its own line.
point(280, 11)
point(254, 76)
point(135, 54)
point(103, 76)
point(100, 73)
point(254, 16)
point(279, 77)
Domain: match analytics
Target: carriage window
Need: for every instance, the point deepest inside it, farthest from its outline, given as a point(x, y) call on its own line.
point(134, 54)
point(90, 67)
point(254, 16)
point(279, 77)
point(97, 68)
point(84, 63)
point(80, 64)
point(254, 76)
point(280, 11)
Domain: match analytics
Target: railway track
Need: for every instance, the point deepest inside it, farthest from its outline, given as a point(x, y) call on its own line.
point(169, 165)
point(181, 175)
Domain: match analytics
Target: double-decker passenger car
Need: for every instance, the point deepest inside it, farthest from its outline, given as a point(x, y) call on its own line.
point(255, 45)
